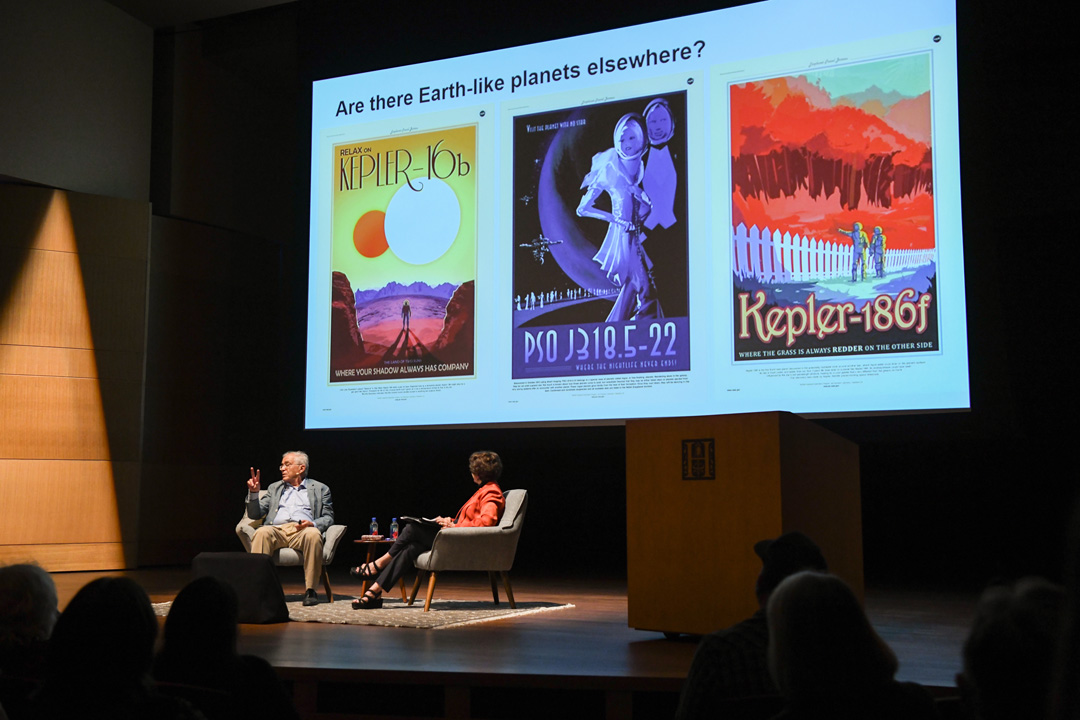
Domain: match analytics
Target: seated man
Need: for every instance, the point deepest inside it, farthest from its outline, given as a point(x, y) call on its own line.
point(731, 663)
point(298, 511)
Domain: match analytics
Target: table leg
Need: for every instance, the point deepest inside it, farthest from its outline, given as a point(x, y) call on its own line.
point(367, 581)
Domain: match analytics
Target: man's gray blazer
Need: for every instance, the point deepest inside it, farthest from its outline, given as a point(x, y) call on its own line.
point(322, 507)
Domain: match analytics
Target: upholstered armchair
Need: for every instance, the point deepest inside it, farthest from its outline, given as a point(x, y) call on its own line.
point(287, 557)
point(488, 549)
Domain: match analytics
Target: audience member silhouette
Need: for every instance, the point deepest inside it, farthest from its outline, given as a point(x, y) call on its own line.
point(731, 663)
point(28, 612)
point(1065, 699)
point(1009, 654)
point(99, 659)
point(828, 662)
point(199, 651)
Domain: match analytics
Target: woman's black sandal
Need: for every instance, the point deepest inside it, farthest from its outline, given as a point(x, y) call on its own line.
point(368, 602)
point(368, 571)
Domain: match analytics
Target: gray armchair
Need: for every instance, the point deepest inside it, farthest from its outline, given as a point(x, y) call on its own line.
point(287, 557)
point(489, 549)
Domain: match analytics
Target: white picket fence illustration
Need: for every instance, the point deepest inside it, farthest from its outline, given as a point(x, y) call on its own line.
point(774, 257)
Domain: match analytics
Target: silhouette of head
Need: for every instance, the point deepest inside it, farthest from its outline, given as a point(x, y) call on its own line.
point(1009, 654)
point(105, 636)
point(784, 556)
point(821, 643)
point(202, 620)
point(27, 612)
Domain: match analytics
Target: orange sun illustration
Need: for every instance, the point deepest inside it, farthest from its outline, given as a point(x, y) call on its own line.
point(369, 235)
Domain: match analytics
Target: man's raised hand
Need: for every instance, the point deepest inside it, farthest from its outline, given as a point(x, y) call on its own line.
point(253, 483)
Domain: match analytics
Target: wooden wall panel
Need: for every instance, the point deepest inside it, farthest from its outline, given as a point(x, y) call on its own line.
point(46, 305)
point(116, 300)
point(51, 361)
point(59, 501)
point(214, 396)
point(104, 225)
point(52, 417)
point(72, 342)
point(70, 557)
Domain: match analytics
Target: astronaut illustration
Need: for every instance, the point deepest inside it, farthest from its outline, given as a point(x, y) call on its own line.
point(618, 172)
point(859, 245)
point(877, 251)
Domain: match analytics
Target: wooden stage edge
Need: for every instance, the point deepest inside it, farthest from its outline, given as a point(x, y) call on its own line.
point(584, 657)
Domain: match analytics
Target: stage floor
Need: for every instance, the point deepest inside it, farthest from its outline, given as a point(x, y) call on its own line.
point(584, 655)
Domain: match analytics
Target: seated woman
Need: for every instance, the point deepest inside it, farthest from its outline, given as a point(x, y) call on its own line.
point(483, 509)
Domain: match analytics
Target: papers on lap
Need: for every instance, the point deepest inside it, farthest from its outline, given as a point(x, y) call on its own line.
point(419, 520)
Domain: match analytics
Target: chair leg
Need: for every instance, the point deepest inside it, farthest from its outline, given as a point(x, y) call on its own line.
point(509, 592)
point(430, 592)
point(326, 585)
point(415, 587)
point(494, 586)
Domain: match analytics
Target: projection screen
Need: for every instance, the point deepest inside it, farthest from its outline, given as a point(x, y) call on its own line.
point(750, 209)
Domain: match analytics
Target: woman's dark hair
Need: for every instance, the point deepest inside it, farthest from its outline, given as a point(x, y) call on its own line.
point(202, 619)
point(486, 465)
point(105, 634)
point(199, 643)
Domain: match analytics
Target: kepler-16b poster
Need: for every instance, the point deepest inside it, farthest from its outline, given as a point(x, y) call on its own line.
point(600, 238)
point(833, 218)
point(404, 256)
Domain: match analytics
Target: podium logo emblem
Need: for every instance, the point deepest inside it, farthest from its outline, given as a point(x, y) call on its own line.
point(699, 459)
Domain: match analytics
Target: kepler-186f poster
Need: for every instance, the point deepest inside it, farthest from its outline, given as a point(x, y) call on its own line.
point(404, 256)
point(833, 218)
point(600, 239)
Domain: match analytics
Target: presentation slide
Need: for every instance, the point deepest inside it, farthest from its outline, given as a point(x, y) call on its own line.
point(751, 209)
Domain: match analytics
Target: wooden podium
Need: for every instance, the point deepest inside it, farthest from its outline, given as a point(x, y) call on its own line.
point(700, 491)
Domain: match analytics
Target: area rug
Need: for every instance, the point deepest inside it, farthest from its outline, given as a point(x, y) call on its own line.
point(444, 614)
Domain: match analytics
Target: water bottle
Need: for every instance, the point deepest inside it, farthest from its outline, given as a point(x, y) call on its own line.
point(374, 527)
point(393, 528)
